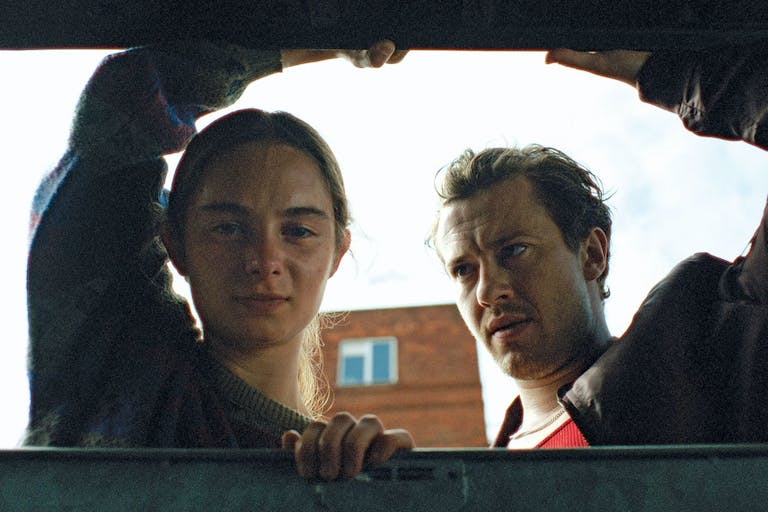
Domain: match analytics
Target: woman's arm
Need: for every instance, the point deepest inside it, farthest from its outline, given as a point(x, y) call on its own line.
point(97, 280)
point(344, 446)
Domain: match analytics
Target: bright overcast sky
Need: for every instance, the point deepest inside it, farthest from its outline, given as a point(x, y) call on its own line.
point(673, 193)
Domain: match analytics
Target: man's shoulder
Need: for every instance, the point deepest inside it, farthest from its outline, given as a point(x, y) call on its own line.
point(689, 286)
point(693, 273)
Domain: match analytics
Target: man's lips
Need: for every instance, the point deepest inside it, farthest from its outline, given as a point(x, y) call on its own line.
point(507, 326)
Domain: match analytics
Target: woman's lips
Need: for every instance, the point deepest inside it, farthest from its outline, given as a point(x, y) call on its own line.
point(262, 303)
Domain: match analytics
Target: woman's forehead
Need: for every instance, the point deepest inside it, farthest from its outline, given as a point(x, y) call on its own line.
point(255, 171)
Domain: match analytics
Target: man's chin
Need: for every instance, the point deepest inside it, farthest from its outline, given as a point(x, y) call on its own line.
point(509, 363)
point(519, 367)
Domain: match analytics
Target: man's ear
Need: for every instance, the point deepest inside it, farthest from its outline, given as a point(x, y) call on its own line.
point(174, 246)
point(594, 253)
point(341, 252)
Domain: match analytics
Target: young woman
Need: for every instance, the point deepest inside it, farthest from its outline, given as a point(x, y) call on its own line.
point(256, 222)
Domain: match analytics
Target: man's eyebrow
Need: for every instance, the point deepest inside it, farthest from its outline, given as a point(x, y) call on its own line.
point(448, 264)
point(505, 239)
point(453, 259)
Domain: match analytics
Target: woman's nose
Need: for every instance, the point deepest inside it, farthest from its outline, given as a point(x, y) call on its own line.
point(263, 258)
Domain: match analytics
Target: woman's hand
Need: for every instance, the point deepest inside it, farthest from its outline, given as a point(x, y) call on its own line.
point(622, 65)
point(344, 446)
point(379, 53)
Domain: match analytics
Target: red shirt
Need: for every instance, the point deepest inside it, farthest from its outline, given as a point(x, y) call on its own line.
point(567, 435)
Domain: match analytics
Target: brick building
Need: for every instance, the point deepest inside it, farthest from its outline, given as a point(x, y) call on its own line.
point(415, 367)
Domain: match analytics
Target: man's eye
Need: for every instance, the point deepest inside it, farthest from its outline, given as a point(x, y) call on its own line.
point(459, 271)
point(513, 250)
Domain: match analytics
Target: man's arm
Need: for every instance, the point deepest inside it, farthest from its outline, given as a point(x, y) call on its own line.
point(621, 65)
point(690, 368)
point(719, 92)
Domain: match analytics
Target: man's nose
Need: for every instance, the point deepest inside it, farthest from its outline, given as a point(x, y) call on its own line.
point(493, 285)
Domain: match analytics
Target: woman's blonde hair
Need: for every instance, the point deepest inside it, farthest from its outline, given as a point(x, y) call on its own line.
point(253, 125)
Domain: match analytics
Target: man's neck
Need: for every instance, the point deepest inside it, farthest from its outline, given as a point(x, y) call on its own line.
point(539, 397)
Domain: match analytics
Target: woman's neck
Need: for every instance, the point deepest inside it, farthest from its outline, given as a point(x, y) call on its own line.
point(272, 370)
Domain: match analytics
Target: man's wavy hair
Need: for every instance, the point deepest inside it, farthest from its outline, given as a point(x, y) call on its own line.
point(571, 194)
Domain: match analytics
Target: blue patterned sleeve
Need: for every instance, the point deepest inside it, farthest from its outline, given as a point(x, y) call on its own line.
point(97, 283)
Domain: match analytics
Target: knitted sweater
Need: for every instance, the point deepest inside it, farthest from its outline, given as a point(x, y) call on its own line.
point(115, 357)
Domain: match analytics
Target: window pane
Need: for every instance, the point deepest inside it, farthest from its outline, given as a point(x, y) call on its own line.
point(353, 370)
point(381, 362)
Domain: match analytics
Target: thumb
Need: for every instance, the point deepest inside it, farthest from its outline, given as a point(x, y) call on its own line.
point(380, 52)
point(289, 440)
point(587, 61)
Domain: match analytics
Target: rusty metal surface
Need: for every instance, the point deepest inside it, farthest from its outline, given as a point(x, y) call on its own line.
point(648, 479)
point(521, 24)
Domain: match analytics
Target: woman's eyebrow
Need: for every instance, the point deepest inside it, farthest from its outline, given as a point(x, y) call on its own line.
point(303, 211)
point(238, 209)
point(224, 207)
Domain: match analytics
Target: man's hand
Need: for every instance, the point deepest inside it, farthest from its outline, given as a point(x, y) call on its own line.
point(380, 53)
point(622, 65)
point(343, 446)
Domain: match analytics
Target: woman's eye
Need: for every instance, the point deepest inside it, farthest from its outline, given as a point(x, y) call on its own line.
point(297, 232)
point(228, 228)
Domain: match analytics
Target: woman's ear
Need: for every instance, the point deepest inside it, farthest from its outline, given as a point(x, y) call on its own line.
point(594, 250)
point(341, 252)
point(174, 246)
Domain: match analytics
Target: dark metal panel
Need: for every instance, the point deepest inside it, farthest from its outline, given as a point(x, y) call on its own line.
point(411, 23)
point(601, 479)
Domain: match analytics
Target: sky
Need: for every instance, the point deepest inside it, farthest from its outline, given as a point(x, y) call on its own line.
point(392, 129)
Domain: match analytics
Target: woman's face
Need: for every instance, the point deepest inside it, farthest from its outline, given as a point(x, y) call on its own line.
point(259, 246)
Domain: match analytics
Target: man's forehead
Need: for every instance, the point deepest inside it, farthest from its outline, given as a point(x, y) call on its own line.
point(454, 216)
point(460, 222)
point(505, 208)
point(483, 205)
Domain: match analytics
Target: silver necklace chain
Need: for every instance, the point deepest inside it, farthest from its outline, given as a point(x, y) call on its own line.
point(538, 428)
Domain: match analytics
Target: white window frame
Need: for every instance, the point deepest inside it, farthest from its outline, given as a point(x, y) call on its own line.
point(364, 347)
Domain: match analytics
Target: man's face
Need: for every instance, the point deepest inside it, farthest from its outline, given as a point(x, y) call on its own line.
point(521, 290)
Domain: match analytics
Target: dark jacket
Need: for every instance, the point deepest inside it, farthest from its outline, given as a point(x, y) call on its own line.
point(693, 364)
